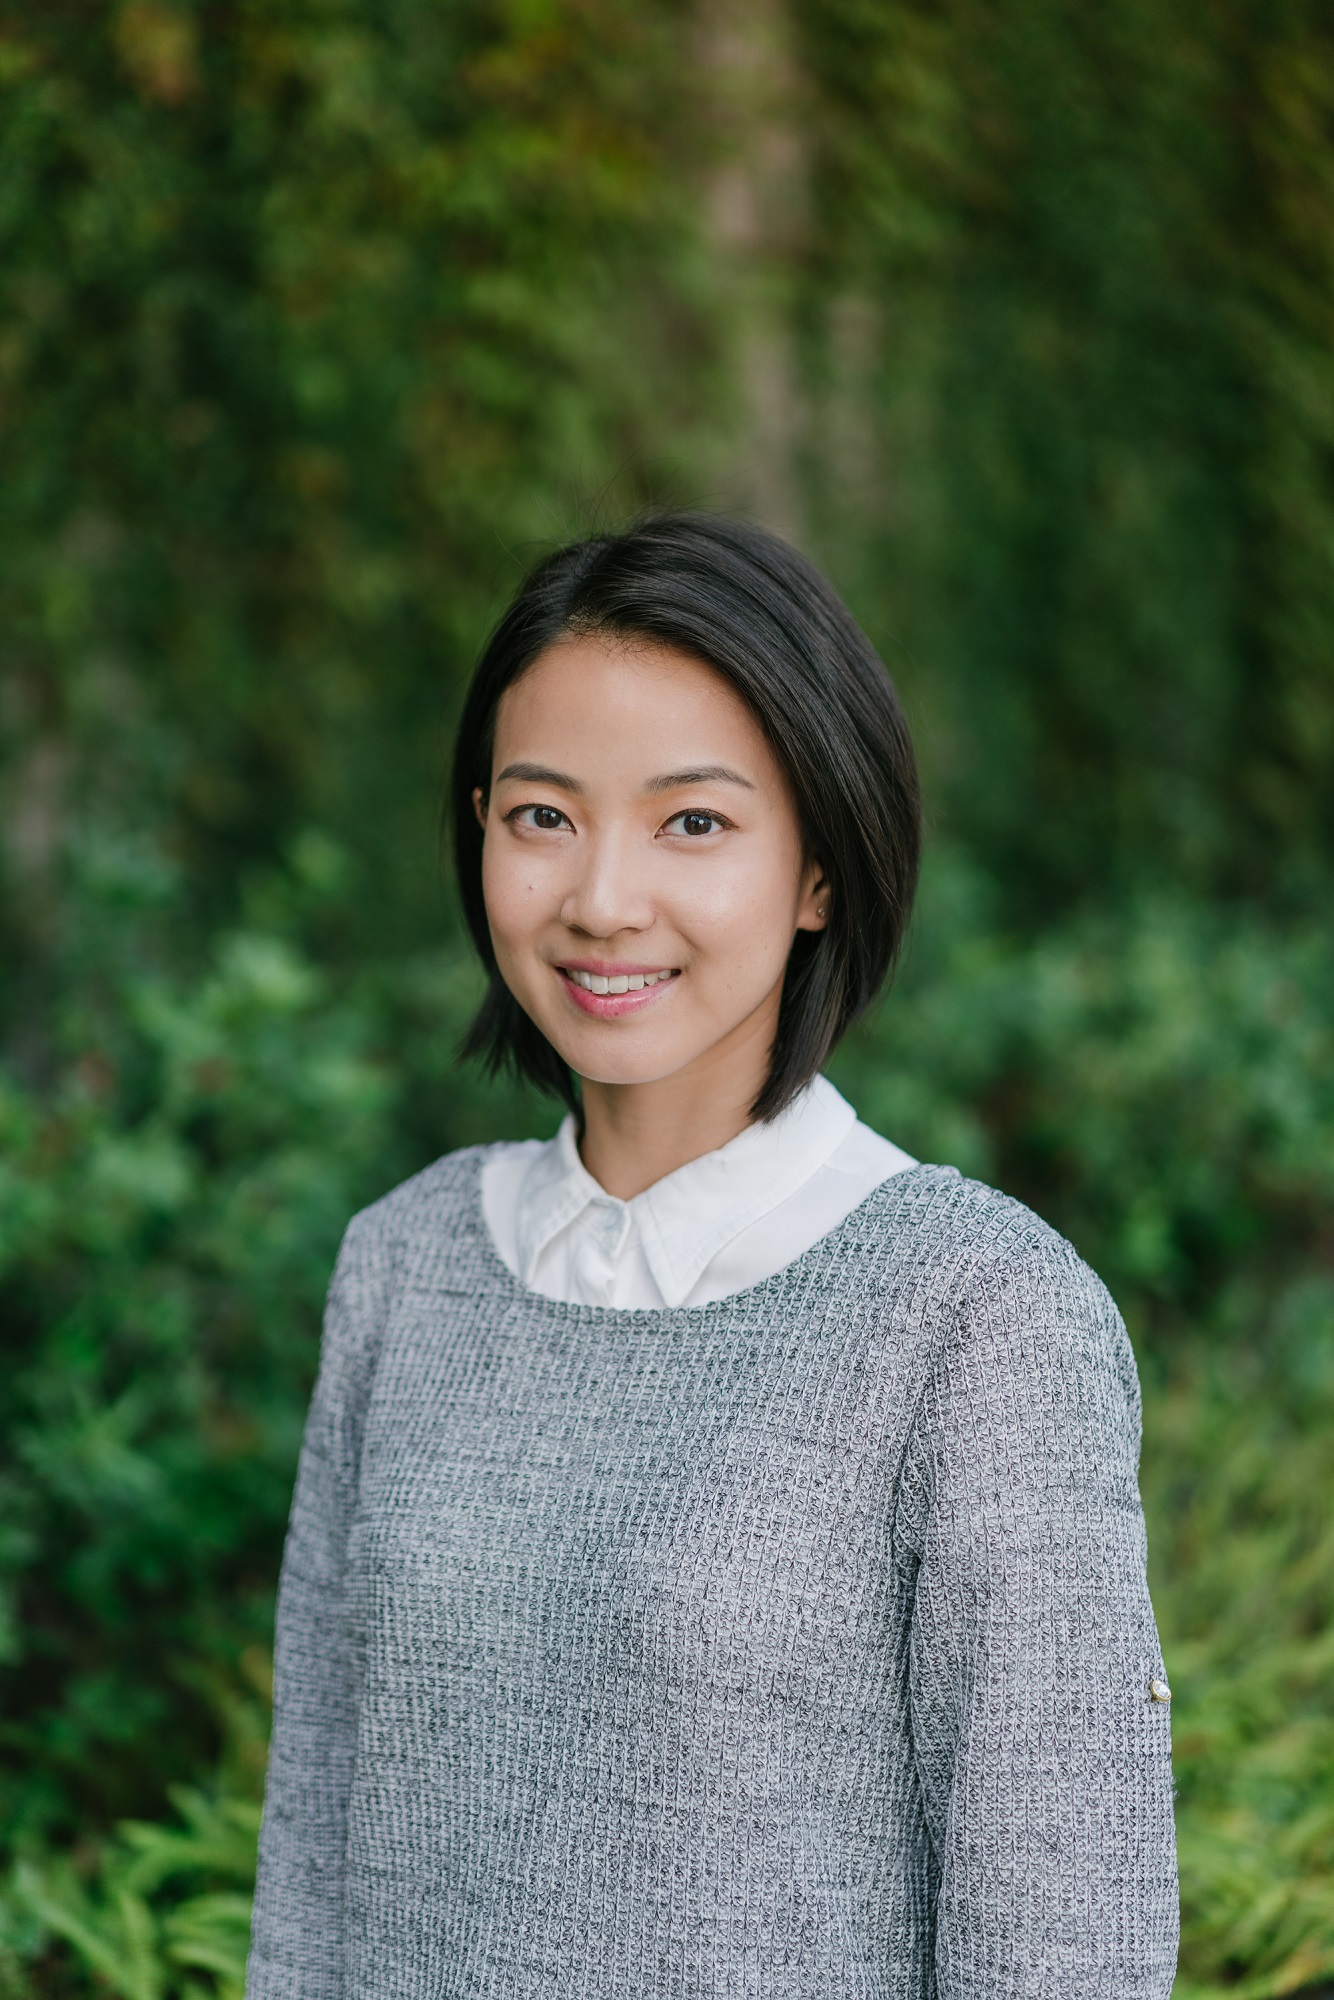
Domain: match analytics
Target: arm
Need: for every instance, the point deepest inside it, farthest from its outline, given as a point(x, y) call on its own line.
point(295, 1950)
point(1044, 1763)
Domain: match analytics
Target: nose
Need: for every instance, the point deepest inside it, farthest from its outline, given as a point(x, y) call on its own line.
point(609, 890)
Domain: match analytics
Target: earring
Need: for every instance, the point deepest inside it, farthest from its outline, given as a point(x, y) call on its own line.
point(820, 910)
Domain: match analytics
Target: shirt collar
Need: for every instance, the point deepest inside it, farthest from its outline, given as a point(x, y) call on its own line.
point(557, 1189)
point(686, 1218)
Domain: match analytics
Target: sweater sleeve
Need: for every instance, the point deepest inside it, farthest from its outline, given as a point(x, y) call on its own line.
point(1044, 1760)
point(295, 1947)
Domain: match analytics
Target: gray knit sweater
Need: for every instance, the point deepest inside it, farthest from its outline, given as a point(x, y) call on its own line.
point(794, 1645)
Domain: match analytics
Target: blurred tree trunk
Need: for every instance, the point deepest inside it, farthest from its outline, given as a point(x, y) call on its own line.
point(757, 227)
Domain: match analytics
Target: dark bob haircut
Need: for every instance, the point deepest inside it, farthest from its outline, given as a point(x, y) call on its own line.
point(764, 618)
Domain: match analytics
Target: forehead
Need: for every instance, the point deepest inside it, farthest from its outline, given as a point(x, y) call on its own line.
point(605, 698)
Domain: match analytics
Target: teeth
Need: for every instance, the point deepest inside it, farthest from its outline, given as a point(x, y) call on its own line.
point(623, 982)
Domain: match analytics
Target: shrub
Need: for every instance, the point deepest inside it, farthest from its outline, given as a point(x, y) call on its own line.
point(170, 1208)
point(1158, 1083)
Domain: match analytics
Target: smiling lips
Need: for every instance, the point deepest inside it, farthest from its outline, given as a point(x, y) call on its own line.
point(617, 982)
point(608, 995)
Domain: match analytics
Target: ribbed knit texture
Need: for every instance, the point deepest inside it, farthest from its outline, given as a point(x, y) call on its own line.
point(794, 1645)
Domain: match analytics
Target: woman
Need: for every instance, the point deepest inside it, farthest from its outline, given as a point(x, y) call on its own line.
point(716, 1565)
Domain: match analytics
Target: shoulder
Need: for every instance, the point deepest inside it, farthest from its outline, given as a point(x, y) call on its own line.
point(426, 1230)
point(977, 1238)
point(431, 1208)
point(424, 1195)
point(1002, 1283)
point(1025, 1325)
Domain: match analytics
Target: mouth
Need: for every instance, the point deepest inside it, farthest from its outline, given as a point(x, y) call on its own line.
point(609, 991)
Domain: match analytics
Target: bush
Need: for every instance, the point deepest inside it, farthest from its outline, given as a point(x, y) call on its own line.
point(169, 1212)
point(1239, 1488)
point(157, 1905)
point(1158, 1084)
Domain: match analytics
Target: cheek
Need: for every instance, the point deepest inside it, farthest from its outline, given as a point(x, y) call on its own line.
point(513, 890)
point(746, 909)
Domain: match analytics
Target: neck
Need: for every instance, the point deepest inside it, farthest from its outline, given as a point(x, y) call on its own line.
point(635, 1133)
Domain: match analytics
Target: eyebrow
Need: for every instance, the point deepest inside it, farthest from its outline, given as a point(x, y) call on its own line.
point(670, 781)
point(539, 774)
point(698, 774)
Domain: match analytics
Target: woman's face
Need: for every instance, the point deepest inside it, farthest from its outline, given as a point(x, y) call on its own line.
point(642, 864)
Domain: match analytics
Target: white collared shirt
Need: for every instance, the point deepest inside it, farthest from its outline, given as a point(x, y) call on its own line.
point(715, 1226)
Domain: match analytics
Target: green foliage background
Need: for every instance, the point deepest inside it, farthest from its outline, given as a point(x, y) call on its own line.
point(316, 321)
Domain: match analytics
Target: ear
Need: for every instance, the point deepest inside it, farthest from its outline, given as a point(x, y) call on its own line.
point(479, 806)
point(813, 902)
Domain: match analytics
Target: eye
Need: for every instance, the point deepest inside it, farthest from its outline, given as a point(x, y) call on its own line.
point(545, 819)
point(694, 824)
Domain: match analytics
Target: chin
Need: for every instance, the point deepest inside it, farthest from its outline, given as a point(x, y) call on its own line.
point(618, 1066)
point(622, 1073)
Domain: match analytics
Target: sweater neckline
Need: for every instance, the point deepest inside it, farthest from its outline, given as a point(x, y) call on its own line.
point(889, 1193)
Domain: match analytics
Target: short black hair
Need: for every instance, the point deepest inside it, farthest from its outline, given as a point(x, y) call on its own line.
point(754, 609)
